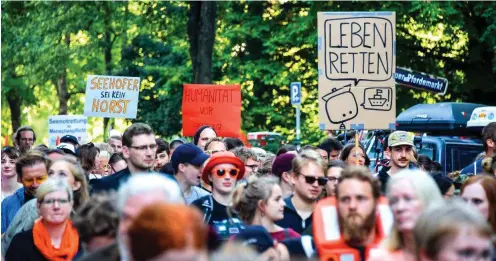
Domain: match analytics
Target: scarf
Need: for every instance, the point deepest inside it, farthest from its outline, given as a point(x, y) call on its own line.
point(68, 247)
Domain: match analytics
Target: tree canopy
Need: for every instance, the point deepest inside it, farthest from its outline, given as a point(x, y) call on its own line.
point(49, 48)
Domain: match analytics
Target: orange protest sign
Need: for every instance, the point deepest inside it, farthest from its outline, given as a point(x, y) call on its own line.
point(216, 105)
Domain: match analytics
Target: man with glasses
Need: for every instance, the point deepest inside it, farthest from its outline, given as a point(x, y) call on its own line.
point(308, 179)
point(249, 158)
point(187, 162)
point(24, 139)
point(32, 171)
point(215, 145)
point(139, 149)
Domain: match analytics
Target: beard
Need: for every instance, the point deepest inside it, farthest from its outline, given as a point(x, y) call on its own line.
point(355, 233)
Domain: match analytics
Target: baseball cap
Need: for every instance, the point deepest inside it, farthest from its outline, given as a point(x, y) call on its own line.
point(174, 141)
point(283, 163)
point(67, 148)
point(188, 153)
point(399, 138)
point(222, 158)
point(257, 237)
point(69, 139)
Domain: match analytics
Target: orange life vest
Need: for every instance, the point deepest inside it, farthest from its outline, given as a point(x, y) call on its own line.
point(328, 237)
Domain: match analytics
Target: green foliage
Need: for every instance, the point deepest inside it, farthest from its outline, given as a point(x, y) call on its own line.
point(261, 45)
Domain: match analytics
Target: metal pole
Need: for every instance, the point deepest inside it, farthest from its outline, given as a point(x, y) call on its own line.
point(297, 126)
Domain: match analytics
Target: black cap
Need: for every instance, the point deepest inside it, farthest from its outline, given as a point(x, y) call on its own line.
point(256, 236)
point(69, 139)
point(188, 153)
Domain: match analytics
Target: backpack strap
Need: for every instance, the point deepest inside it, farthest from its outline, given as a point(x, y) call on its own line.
point(208, 208)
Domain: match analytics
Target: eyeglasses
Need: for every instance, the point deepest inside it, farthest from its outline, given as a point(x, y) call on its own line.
point(51, 202)
point(311, 180)
point(30, 182)
point(220, 172)
point(145, 147)
point(332, 179)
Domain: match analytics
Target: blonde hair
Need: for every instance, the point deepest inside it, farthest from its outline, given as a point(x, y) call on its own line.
point(441, 222)
point(246, 196)
point(426, 191)
point(304, 158)
point(52, 185)
point(82, 194)
point(105, 147)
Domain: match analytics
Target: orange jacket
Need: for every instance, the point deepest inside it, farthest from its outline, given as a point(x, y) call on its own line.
point(329, 238)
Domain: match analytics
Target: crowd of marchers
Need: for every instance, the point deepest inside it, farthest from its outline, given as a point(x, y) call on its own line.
point(137, 197)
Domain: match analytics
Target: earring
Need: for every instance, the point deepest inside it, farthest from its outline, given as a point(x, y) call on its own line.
point(263, 214)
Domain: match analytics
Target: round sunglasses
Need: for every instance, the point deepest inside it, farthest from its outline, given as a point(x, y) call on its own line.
point(221, 172)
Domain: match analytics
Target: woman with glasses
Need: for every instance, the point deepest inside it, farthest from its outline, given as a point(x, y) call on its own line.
point(66, 168)
point(52, 237)
point(260, 202)
point(308, 179)
point(9, 174)
point(409, 192)
point(222, 171)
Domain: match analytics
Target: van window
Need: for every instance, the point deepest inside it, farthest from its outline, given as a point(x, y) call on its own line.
point(429, 150)
point(459, 156)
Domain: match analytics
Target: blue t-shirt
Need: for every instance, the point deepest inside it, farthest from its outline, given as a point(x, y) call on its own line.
point(474, 168)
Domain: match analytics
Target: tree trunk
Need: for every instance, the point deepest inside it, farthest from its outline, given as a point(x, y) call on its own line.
point(201, 32)
point(62, 84)
point(14, 101)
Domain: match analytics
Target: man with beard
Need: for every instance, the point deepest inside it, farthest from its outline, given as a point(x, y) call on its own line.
point(139, 149)
point(24, 139)
point(400, 144)
point(357, 228)
point(489, 142)
point(139, 191)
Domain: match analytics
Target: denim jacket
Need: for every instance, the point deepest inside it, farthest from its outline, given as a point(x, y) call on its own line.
point(10, 206)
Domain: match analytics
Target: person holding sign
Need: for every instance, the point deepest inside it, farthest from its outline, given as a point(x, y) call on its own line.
point(139, 149)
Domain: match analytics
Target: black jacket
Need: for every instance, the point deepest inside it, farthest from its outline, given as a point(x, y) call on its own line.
point(292, 219)
point(22, 248)
point(383, 177)
point(112, 182)
point(108, 253)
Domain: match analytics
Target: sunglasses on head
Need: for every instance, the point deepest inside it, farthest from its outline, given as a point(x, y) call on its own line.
point(220, 172)
point(311, 180)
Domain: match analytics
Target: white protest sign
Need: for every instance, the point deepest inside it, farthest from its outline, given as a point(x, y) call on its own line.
point(112, 96)
point(356, 53)
point(61, 125)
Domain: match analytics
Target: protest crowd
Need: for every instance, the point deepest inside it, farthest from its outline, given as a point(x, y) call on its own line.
point(139, 197)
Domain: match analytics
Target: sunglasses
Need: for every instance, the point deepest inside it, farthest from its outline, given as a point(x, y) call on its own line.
point(311, 180)
point(220, 172)
point(30, 182)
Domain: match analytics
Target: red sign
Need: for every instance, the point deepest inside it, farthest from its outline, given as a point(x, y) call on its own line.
point(216, 105)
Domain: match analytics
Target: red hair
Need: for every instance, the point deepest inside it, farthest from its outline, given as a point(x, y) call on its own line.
point(488, 183)
point(161, 227)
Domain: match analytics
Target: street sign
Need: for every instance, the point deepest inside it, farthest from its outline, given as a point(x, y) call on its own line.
point(421, 81)
point(296, 93)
